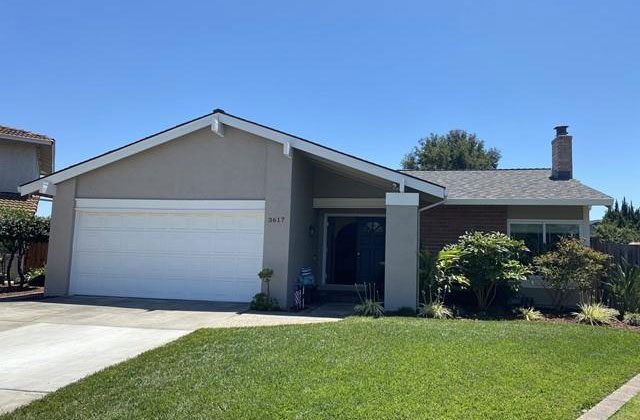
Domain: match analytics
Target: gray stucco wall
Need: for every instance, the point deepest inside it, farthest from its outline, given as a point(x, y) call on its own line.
point(401, 257)
point(329, 184)
point(200, 165)
point(301, 245)
point(18, 164)
point(61, 239)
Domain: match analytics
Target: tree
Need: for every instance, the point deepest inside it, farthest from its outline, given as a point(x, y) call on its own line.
point(571, 265)
point(620, 224)
point(18, 229)
point(482, 261)
point(455, 150)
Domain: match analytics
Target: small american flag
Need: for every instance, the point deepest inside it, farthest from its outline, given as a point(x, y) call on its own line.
point(298, 298)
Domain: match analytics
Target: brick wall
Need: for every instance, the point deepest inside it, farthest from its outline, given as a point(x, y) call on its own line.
point(443, 225)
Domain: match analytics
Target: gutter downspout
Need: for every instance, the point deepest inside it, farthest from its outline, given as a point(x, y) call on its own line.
point(430, 206)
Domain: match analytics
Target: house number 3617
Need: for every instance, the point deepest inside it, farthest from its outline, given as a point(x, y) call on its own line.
point(275, 219)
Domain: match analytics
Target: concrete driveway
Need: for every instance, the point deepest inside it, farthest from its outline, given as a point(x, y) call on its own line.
point(50, 343)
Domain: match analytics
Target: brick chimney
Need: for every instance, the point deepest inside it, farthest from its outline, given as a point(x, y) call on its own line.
point(561, 154)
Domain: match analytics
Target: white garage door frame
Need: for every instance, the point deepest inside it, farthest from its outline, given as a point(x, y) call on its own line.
point(218, 217)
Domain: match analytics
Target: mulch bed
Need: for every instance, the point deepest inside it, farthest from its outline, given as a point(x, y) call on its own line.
point(14, 292)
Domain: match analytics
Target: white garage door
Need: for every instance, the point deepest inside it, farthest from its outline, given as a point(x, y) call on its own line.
point(168, 249)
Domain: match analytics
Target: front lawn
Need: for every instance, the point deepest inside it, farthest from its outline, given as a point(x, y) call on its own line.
point(361, 368)
point(629, 411)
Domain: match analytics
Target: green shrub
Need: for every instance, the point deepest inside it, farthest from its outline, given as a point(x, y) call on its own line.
point(572, 265)
point(369, 307)
point(632, 318)
point(529, 314)
point(265, 275)
point(263, 302)
point(623, 287)
point(36, 272)
point(370, 304)
point(595, 314)
point(36, 276)
point(435, 309)
point(482, 262)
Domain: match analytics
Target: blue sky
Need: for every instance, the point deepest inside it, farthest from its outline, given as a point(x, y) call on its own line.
point(369, 78)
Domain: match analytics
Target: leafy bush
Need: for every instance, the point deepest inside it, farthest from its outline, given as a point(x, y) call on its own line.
point(572, 265)
point(435, 309)
point(35, 276)
point(370, 304)
point(265, 275)
point(530, 314)
point(595, 314)
point(263, 302)
point(623, 287)
point(483, 261)
point(632, 318)
point(18, 229)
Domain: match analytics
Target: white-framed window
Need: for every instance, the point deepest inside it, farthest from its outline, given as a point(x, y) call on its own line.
point(540, 235)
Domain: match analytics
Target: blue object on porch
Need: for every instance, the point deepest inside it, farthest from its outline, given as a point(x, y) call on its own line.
point(306, 277)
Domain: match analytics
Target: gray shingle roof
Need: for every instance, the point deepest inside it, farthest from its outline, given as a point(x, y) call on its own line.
point(512, 184)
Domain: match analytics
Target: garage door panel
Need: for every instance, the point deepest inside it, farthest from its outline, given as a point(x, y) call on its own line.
point(170, 253)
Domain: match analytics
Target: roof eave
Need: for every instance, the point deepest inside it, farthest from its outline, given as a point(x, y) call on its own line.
point(530, 201)
point(43, 184)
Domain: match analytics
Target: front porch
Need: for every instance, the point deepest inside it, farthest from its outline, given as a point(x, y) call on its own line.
point(360, 229)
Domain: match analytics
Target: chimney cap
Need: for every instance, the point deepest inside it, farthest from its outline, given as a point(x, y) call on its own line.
point(561, 130)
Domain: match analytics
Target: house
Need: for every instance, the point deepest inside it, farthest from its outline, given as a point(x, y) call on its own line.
point(195, 211)
point(24, 155)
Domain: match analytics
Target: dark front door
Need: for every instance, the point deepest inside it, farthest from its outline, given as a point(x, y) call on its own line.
point(356, 250)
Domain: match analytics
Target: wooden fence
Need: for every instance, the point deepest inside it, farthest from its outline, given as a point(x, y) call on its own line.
point(36, 255)
point(631, 253)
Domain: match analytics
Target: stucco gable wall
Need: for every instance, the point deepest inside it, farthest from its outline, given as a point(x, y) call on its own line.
point(199, 165)
point(18, 164)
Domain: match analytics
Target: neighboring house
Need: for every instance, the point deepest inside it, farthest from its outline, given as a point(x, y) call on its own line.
point(23, 156)
point(195, 211)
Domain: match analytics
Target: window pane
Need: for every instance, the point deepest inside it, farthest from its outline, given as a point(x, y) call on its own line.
point(555, 232)
point(531, 234)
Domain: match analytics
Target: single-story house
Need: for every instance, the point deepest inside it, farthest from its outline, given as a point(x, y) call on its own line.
point(195, 211)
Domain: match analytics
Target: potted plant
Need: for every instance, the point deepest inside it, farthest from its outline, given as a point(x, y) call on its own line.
point(265, 275)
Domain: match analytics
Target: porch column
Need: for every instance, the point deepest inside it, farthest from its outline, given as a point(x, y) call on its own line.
point(401, 251)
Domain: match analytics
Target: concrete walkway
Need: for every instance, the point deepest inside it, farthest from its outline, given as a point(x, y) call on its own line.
point(47, 344)
point(614, 401)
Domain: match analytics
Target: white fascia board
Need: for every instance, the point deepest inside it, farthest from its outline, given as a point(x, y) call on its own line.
point(88, 204)
point(402, 199)
point(117, 154)
point(348, 203)
point(333, 156)
point(529, 202)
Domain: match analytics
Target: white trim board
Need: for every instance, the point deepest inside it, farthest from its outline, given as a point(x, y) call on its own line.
point(118, 204)
point(348, 203)
point(215, 120)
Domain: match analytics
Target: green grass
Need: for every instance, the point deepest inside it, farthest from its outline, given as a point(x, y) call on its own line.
point(629, 411)
point(361, 368)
